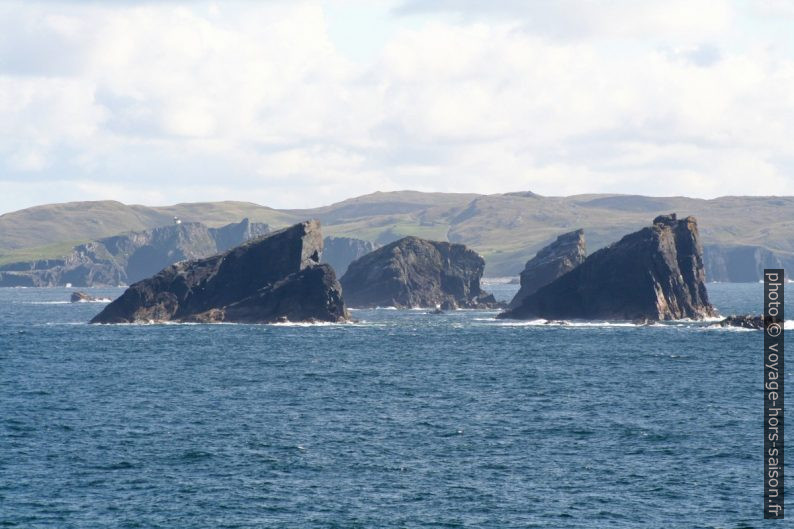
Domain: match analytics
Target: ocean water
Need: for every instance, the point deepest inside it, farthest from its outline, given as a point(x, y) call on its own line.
point(403, 419)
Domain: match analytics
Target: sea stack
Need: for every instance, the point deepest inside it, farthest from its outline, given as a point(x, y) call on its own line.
point(653, 274)
point(272, 278)
point(554, 260)
point(414, 272)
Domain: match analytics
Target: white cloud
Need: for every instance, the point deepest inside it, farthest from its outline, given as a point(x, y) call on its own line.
point(580, 19)
point(168, 102)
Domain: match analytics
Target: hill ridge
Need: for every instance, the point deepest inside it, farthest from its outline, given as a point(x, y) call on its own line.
point(506, 228)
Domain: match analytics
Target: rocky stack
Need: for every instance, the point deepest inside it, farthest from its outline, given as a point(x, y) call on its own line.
point(653, 274)
point(273, 278)
point(414, 272)
point(556, 259)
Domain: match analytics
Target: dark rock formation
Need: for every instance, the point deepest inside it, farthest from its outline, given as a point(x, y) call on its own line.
point(449, 304)
point(269, 279)
point(745, 321)
point(339, 252)
point(81, 296)
point(414, 272)
point(124, 259)
point(556, 259)
point(653, 274)
point(741, 263)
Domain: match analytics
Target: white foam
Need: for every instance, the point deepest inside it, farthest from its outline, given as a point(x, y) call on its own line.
point(727, 328)
point(311, 324)
point(275, 324)
point(599, 324)
point(547, 323)
point(515, 323)
point(504, 280)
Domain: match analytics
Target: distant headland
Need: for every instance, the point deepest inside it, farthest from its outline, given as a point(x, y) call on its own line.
point(740, 235)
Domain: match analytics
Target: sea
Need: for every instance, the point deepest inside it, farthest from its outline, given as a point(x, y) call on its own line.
point(402, 419)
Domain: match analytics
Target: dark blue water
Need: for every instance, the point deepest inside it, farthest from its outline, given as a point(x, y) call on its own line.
point(403, 420)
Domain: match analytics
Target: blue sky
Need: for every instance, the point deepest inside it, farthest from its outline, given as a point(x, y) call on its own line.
point(299, 104)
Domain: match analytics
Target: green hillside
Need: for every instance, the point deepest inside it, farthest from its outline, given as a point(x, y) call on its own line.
point(43, 226)
point(506, 228)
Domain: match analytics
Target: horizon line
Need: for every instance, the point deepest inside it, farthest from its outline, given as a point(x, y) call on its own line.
point(521, 194)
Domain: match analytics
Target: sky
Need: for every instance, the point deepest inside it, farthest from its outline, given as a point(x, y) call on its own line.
point(295, 104)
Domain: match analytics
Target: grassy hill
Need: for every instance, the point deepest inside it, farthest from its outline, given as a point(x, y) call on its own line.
point(506, 228)
point(52, 229)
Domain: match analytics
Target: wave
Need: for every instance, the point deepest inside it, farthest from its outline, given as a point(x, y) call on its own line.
point(727, 328)
point(97, 300)
point(61, 302)
point(540, 322)
point(706, 320)
point(274, 324)
point(315, 324)
point(503, 280)
point(560, 323)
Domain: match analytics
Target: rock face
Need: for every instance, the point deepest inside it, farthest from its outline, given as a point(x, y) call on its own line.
point(272, 278)
point(556, 259)
point(414, 272)
point(742, 264)
point(745, 321)
point(653, 274)
point(124, 259)
point(339, 252)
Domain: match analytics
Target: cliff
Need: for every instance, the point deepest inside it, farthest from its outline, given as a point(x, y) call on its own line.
point(126, 258)
point(742, 263)
point(414, 272)
point(561, 256)
point(653, 274)
point(339, 252)
point(271, 278)
point(507, 229)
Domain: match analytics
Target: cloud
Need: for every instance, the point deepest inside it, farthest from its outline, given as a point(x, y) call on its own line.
point(170, 102)
point(584, 19)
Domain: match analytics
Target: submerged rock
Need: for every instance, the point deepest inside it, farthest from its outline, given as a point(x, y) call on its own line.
point(81, 296)
point(653, 274)
point(414, 272)
point(269, 279)
point(556, 259)
point(745, 321)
